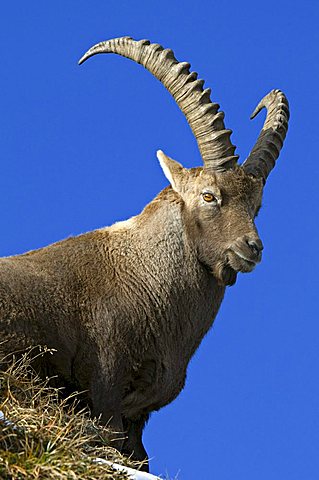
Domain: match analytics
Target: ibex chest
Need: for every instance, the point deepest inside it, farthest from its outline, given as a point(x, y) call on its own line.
point(172, 332)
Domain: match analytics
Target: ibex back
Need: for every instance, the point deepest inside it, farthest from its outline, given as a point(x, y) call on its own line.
point(126, 306)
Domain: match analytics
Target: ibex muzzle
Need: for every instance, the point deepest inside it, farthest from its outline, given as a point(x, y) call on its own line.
point(245, 253)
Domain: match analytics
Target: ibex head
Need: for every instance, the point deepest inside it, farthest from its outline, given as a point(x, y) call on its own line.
point(219, 210)
point(221, 199)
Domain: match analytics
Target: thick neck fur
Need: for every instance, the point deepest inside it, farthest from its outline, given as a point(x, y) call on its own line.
point(154, 245)
point(160, 262)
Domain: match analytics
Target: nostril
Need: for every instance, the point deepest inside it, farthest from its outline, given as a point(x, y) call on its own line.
point(256, 246)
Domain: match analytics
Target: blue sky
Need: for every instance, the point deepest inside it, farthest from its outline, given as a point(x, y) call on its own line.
point(73, 139)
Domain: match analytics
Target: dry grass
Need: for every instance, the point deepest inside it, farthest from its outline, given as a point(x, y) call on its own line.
point(45, 437)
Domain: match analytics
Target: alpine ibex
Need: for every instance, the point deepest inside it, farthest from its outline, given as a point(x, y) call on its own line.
point(127, 306)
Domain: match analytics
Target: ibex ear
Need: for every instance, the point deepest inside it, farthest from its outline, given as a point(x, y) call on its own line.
point(173, 170)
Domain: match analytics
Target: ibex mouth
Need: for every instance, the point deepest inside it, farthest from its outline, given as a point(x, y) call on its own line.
point(239, 262)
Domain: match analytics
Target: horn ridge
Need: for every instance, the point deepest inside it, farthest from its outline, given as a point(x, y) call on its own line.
point(264, 154)
point(202, 115)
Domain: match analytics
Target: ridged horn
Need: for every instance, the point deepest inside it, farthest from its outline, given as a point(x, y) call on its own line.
point(206, 122)
point(263, 156)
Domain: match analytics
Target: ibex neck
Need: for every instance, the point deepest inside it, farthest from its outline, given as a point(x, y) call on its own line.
point(155, 242)
point(182, 289)
point(158, 238)
point(161, 227)
point(165, 211)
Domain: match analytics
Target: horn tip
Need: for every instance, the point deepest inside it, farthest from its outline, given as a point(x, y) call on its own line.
point(256, 111)
point(160, 154)
point(98, 48)
point(85, 57)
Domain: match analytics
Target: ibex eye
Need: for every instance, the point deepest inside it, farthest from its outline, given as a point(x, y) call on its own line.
point(209, 197)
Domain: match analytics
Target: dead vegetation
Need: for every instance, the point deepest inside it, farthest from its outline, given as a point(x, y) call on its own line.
point(43, 436)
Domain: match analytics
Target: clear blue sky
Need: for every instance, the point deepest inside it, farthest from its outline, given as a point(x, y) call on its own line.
point(73, 139)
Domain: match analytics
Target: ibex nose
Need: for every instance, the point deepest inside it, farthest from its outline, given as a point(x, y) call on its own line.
point(256, 246)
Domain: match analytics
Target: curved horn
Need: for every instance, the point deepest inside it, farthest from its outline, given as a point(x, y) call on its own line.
point(263, 156)
point(202, 115)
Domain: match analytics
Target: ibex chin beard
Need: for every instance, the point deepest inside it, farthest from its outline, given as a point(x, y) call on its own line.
point(224, 274)
point(229, 276)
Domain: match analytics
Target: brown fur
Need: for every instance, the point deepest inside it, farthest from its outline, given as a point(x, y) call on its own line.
point(127, 306)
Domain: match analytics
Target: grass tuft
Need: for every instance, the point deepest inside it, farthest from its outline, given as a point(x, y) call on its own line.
point(45, 437)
